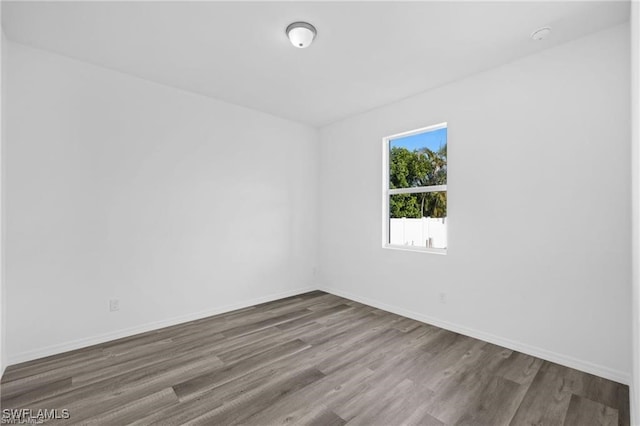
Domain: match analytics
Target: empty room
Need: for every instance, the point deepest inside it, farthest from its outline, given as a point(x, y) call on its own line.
point(320, 213)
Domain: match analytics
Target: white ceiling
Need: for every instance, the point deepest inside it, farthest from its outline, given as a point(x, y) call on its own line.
point(367, 54)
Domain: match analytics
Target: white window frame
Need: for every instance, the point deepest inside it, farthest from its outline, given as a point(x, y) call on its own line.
point(386, 192)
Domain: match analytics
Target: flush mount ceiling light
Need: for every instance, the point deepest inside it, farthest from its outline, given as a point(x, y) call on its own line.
point(301, 34)
point(540, 33)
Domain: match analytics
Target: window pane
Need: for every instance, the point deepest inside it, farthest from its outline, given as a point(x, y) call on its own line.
point(418, 220)
point(418, 160)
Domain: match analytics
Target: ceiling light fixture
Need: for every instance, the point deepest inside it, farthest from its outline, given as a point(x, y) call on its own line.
point(540, 33)
point(301, 34)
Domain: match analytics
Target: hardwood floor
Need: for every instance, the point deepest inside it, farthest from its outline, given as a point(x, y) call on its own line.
point(310, 359)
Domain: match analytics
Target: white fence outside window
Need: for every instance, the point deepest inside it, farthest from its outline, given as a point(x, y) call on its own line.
point(424, 232)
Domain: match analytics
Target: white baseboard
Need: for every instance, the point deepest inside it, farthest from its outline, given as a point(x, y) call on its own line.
point(567, 361)
point(118, 334)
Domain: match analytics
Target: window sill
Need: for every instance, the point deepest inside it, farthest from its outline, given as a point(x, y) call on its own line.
point(416, 249)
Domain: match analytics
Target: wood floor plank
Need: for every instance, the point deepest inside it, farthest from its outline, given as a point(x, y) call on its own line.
point(406, 343)
point(463, 355)
point(459, 393)
point(132, 363)
point(375, 387)
point(31, 368)
point(496, 404)
point(241, 410)
point(388, 407)
point(520, 368)
point(358, 351)
point(584, 412)
point(546, 400)
point(409, 408)
point(595, 388)
point(313, 316)
point(97, 398)
point(407, 324)
point(229, 392)
point(330, 390)
point(317, 414)
point(192, 388)
point(133, 410)
point(214, 398)
point(110, 363)
point(266, 323)
point(420, 415)
point(30, 394)
point(310, 359)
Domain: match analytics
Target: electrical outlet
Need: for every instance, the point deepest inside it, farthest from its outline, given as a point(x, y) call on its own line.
point(443, 297)
point(114, 305)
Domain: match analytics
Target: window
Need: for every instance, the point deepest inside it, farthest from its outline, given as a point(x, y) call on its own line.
point(415, 190)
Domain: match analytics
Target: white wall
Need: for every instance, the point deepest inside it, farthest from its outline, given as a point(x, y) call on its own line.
point(539, 150)
point(122, 188)
point(635, 208)
point(3, 129)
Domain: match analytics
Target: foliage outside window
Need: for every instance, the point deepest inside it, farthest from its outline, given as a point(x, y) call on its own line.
point(416, 189)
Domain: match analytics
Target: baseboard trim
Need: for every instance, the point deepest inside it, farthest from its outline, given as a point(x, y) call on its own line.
point(567, 361)
point(151, 326)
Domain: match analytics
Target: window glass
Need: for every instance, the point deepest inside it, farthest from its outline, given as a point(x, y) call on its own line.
point(418, 160)
point(416, 189)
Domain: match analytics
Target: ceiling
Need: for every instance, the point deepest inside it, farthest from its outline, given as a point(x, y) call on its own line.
point(367, 54)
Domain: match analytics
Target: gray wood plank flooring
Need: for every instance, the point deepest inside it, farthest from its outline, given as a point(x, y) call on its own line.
point(312, 359)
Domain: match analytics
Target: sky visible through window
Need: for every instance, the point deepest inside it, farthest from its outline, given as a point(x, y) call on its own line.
point(433, 140)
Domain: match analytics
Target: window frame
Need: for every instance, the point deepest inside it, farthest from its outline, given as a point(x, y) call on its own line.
point(387, 192)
